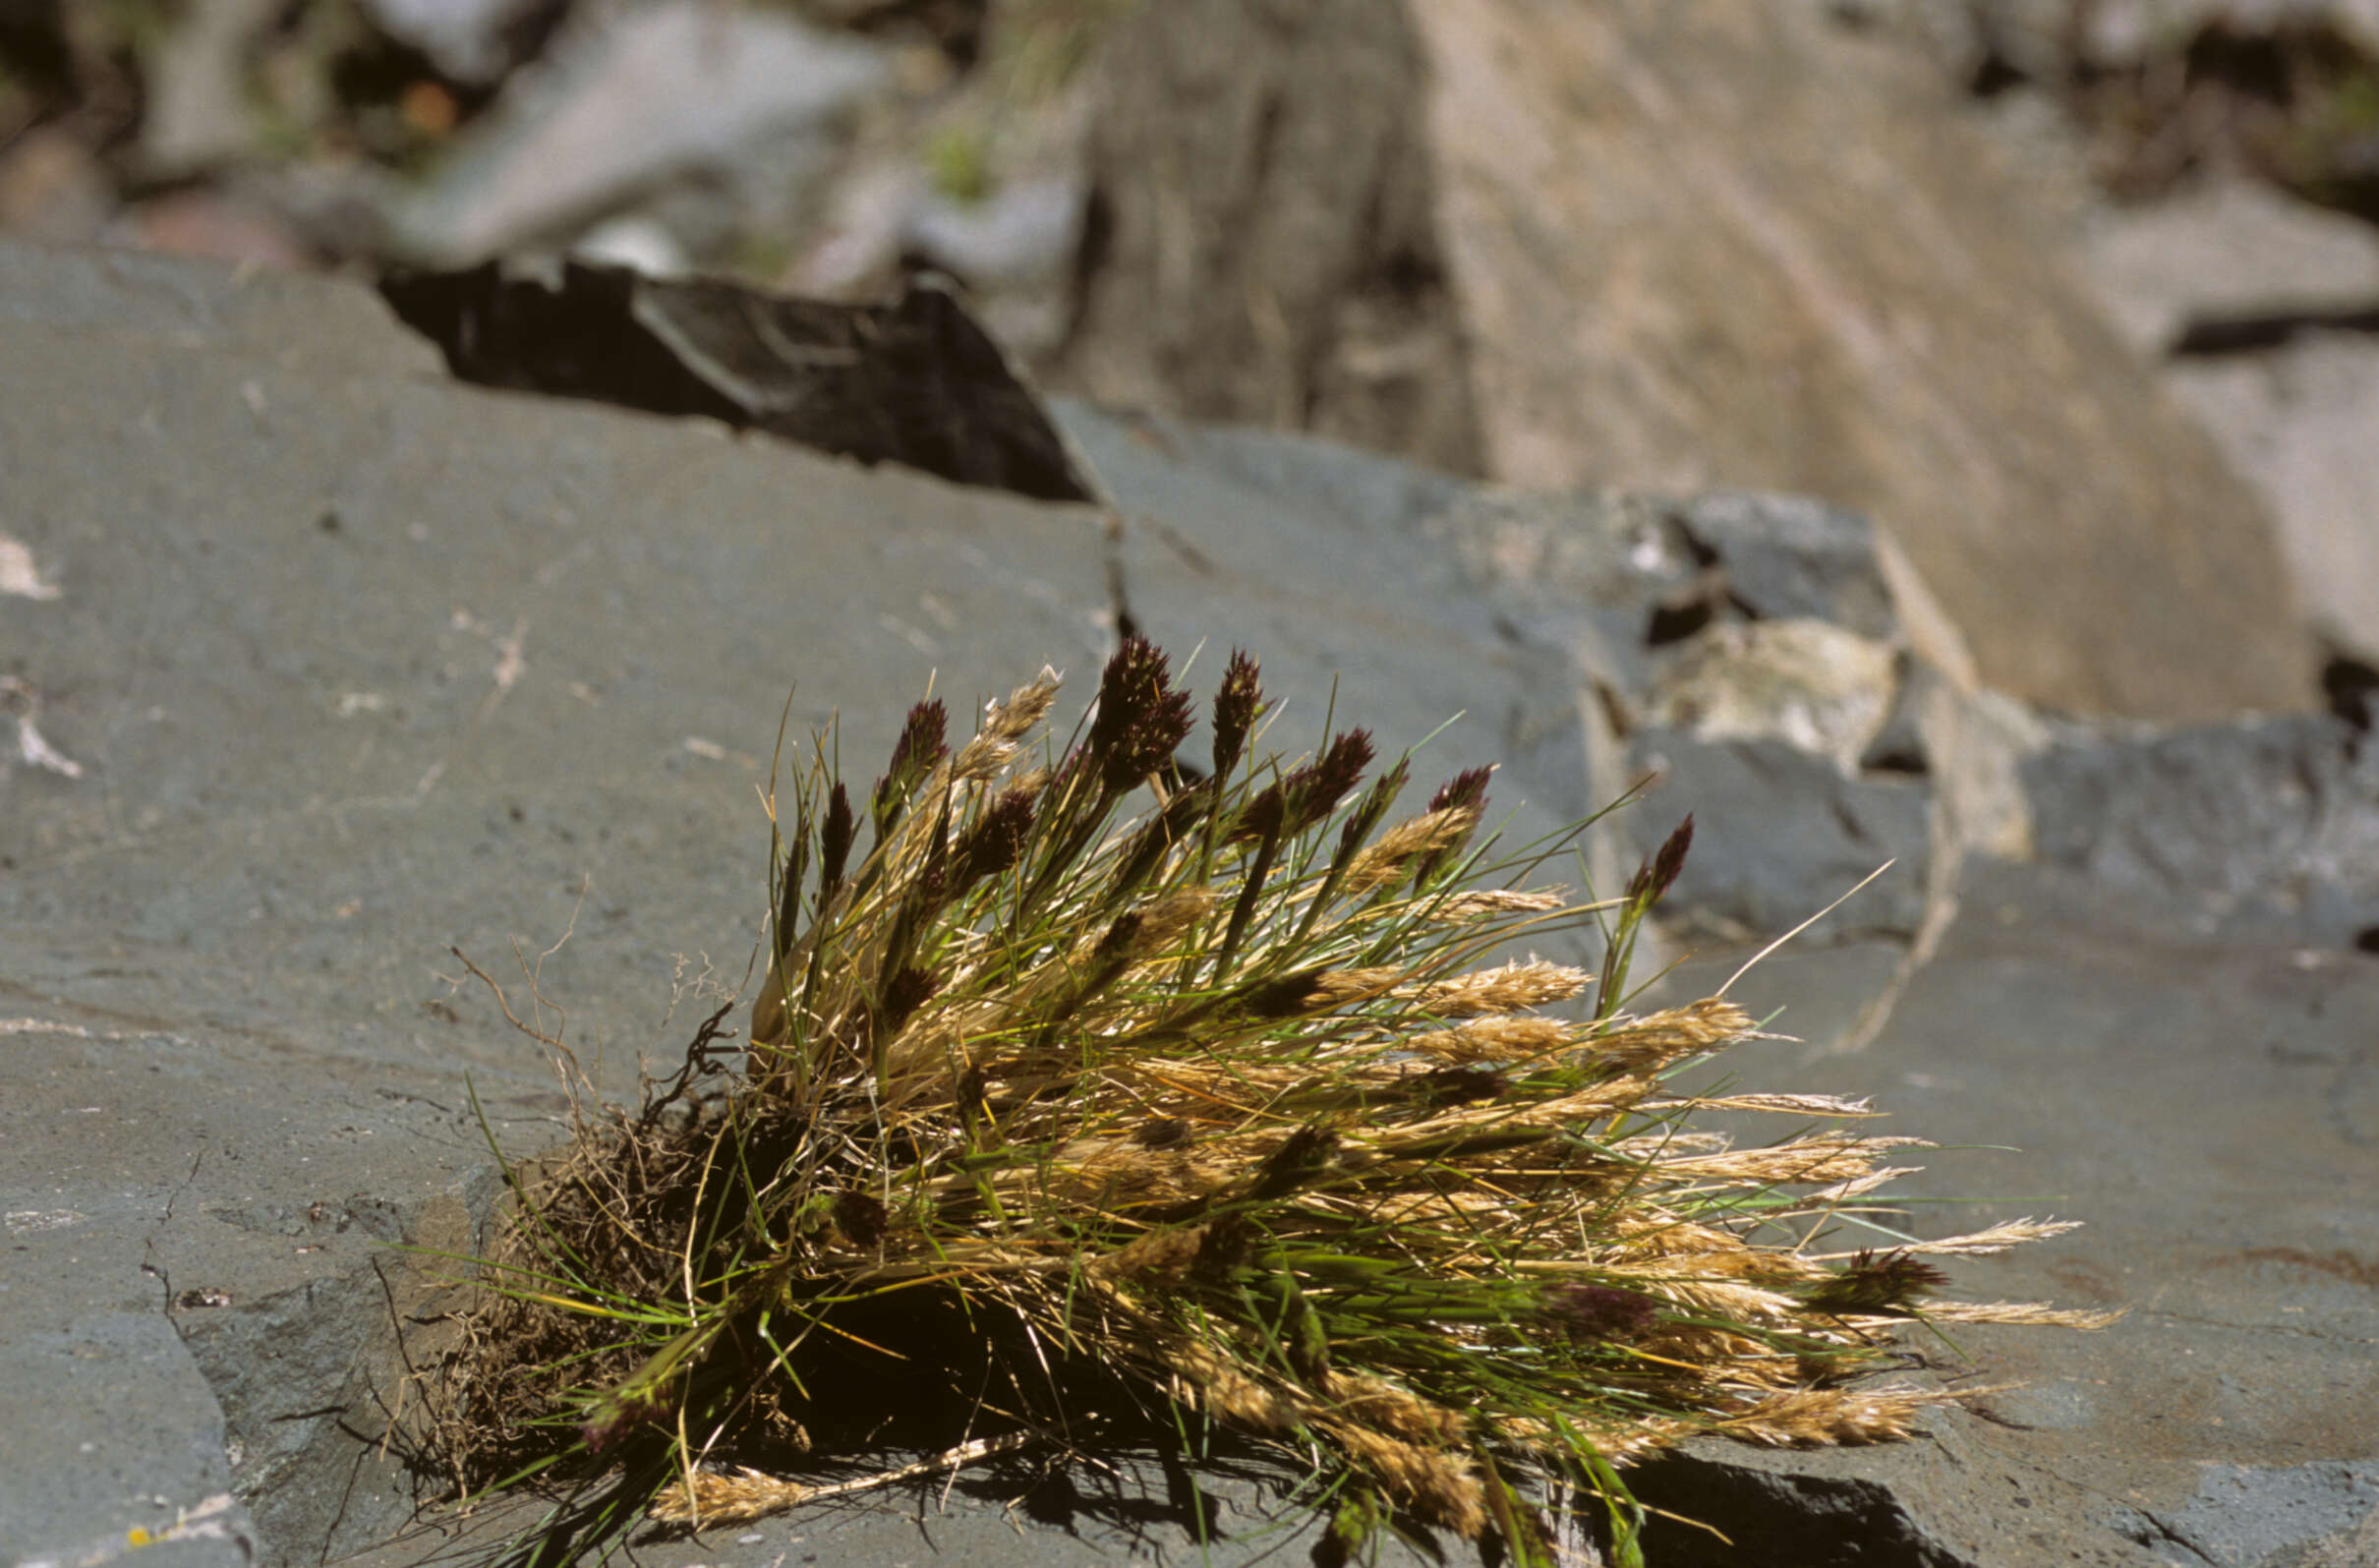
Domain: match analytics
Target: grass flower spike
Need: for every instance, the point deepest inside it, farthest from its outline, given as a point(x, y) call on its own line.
point(1093, 1096)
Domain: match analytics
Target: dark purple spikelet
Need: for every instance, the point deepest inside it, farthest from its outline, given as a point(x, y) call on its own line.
point(1374, 805)
point(1141, 719)
point(1223, 1246)
point(1462, 1086)
point(835, 838)
point(922, 743)
point(1671, 858)
point(1305, 1155)
point(1653, 878)
point(1891, 1282)
point(1313, 792)
point(862, 1217)
point(1237, 703)
point(1149, 746)
point(1597, 1312)
point(616, 1417)
point(1466, 788)
point(1284, 995)
point(1161, 1132)
point(1263, 816)
point(996, 840)
point(910, 989)
point(1466, 792)
point(1134, 679)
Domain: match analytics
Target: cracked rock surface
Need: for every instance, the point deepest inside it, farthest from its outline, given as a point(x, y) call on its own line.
point(339, 666)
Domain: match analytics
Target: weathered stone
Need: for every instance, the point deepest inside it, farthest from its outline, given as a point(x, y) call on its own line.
point(1803, 682)
point(2259, 309)
point(1780, 834)
point(1738, 246)
point(915, 382)
point(357, 665)
point(2224, 250)
point(1263, 244)
point(2269, 827)
point(637, 99)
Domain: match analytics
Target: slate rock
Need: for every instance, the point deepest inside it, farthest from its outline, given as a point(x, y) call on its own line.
point(1357, 486)
point(1652, 572)
point(359, 666)
point(2208, 1109)
point(1793, 557)
point(2258, 310)
point(2266, 827)
point(1889, 334)
point(1780, 834)
point(1576, 593)
point(1823, 689)
point(916, 381)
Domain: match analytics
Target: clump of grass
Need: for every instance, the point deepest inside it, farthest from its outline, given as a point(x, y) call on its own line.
point(1088, 1088)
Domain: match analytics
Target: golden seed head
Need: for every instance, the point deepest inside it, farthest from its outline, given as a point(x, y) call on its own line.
point(1508, 988)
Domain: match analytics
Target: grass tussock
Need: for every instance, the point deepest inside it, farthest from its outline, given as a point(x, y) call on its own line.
point(1086, 1091)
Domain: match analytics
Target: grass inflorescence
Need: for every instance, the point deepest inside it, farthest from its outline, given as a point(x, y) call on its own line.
point(1088, 1089)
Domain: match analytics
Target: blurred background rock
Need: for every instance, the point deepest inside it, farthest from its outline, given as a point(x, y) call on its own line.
point(2078, 298)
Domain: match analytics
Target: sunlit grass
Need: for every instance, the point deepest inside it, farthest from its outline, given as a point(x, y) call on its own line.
point(1090, 1091)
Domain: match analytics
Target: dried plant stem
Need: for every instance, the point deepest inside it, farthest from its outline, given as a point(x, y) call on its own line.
point(1221, 1102)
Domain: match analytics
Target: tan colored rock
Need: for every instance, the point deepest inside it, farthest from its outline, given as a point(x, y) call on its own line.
point(1729, 244)
point(2298, 418)
point(1649, 246)
point(1803, 682)
point(1263, 247)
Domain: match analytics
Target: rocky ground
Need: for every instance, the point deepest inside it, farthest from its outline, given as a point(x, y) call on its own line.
point(316, 665)
point(322, 665)
point(1991, 270)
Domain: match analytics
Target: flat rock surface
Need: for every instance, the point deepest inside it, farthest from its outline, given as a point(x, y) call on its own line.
point(2211, 1113)
point(346, 665)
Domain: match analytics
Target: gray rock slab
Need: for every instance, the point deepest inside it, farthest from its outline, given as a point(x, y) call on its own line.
point(2224, 247)
point(1780, 834)
point(354, 664)
point(2209, 1110)
point(2268, 826)
point(1627, 591)
point(1130, 1509)
point(1320, 563)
